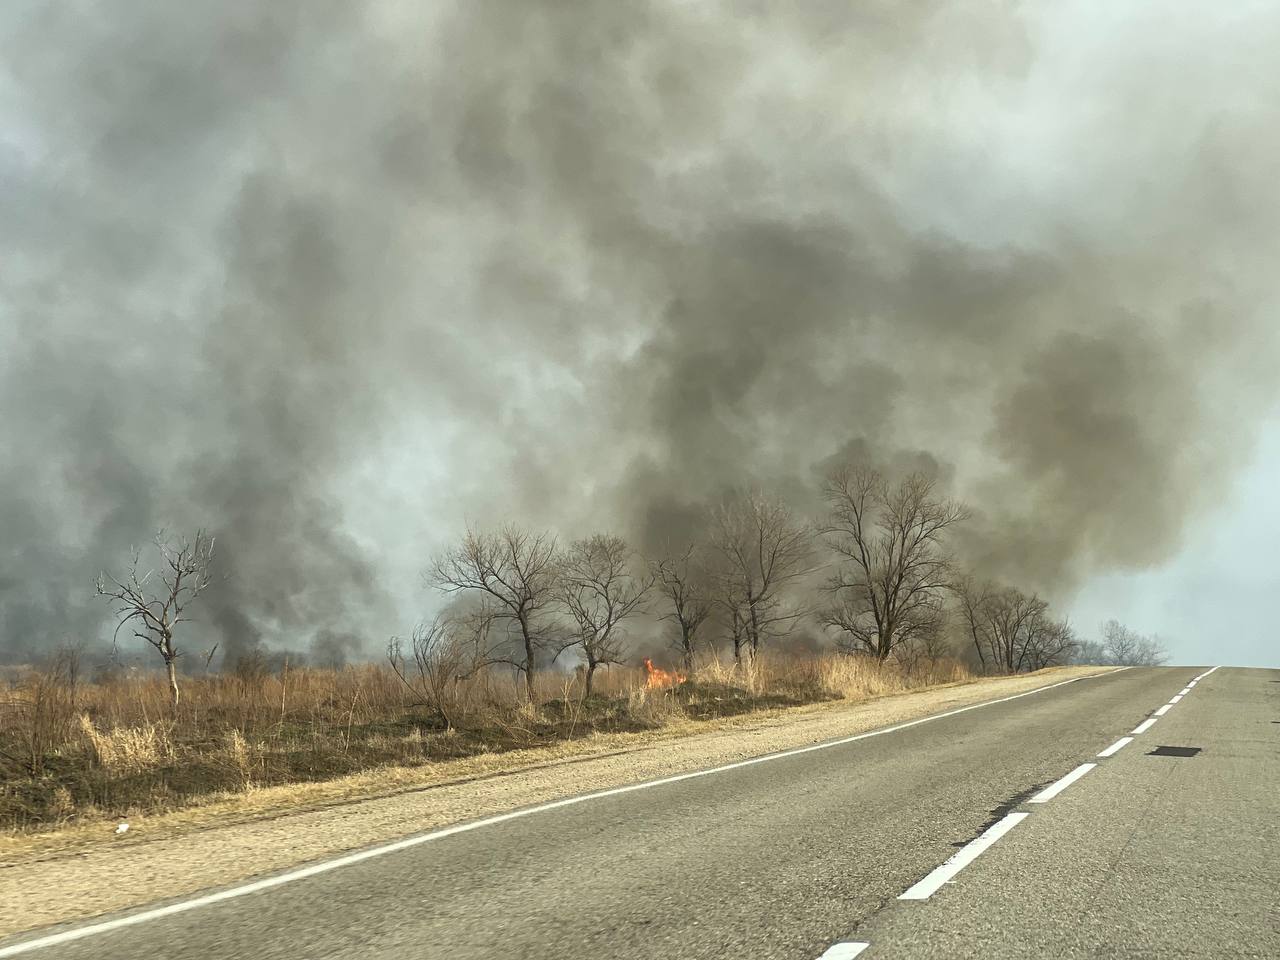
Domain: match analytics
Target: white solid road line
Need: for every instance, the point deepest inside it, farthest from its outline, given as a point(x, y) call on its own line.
point(844, 951)
point(1163, 710)
point(325, 866)
point(965, 856)
point(1145, 725)
point(1049, 792)
point(1116, 747)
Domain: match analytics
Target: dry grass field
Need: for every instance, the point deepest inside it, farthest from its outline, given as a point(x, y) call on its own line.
point(73, 751)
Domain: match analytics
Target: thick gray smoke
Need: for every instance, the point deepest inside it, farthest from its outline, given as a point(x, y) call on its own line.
point(328, 278)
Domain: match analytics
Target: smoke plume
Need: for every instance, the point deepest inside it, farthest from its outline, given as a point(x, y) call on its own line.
point(329, 278)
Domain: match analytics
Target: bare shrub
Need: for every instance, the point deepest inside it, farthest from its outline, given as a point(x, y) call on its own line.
point(441, 654)
point(42, 710)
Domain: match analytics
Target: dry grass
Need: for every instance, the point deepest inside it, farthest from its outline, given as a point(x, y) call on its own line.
point(72, 751)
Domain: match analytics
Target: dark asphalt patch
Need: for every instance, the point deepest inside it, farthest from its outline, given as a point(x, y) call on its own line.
point(1174, 752)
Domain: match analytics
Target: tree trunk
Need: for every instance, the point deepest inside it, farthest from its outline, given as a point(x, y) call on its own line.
point(686, 643)
point(528, 658)
point(173, 680)
point(885, 641)
point(528, 672)
point(591, 673)
point(982, 659)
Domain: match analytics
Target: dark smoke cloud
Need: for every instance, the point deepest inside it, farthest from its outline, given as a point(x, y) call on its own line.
point(327, 278)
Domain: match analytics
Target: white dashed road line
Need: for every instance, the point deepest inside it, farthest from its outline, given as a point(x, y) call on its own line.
point(965, 856)
point(844, 951)
point(1116, 747)
point(1048, 793)
point(943, 874)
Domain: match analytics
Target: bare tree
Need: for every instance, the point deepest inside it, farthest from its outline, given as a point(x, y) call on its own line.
point(974, 600)
point(688, 594)
point(1052, 643)
point(1012, 631)
point(735, 608)
point(599, 590)
point(763, 549)
point(155, 603)
point(1128, 648)
point(1012, 618)
point(889, 586)
point(516, 571)
point(1089, 651)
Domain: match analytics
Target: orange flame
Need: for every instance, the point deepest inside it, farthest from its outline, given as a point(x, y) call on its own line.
point(658, 678)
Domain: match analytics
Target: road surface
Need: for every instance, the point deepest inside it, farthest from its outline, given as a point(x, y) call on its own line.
point(1055, 852)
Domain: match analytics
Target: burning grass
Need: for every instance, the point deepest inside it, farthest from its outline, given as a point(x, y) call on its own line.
point(75, 751)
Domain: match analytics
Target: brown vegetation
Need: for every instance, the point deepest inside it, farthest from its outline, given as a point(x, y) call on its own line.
point(71, 750)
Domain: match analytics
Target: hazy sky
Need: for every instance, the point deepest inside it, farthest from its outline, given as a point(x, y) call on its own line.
point(332, 278)
point(1214, 602)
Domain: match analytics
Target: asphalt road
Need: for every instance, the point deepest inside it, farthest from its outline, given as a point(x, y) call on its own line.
point(1142, 856)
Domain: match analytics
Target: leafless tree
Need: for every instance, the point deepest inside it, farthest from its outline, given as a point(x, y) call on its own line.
point(1012, 617)
point(1089, 651)
point(689, 598)
point(154, 603)
point(925, 648)
point(441, 653)
point(516, 571)
point(1012, 631)
point(599, 590)
point(889, 585)
point(1052, 643)
point(974, 601)
point(735, 608)
point(762, 550)
point(1128, 648)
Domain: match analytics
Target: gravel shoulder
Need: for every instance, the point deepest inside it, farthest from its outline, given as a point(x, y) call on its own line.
point(231, 839)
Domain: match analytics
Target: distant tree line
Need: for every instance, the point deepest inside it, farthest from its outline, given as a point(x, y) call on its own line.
point(1121, 647)
point(874, 577)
